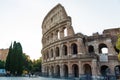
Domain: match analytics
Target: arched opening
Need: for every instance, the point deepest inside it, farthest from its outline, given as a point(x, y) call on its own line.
point(65, 32)
point(116, 49)
point(48, 39)
point(47, 54)
point(58, 34)
point(52, 37)
point(43, 55)
point(64, 50)
point(104, 70)
point(51, 53)
point(57, 71)
point(52, 71)
point(57, 52)
point(117, 71)
point(75, 70)
point(65, 69)
point(91, 49)
point(47, 71)
point(74, 48)
point(87, 69)
point(103, 48)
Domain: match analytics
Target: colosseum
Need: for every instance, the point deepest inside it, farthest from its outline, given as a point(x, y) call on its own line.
point(66, 54)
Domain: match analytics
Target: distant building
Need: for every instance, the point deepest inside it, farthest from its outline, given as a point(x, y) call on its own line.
point(3, 54)
point(66, 54)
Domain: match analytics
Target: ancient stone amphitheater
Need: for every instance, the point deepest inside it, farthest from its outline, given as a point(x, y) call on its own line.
point(66, 54)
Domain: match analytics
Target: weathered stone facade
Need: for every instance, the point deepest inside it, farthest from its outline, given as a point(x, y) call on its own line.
point(66, 54)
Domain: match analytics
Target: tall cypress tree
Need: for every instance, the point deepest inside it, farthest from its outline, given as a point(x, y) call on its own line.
point(14, 61)
point(8, 59)
point(19, 58)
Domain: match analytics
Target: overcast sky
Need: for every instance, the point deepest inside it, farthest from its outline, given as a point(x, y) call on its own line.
point(20, 20)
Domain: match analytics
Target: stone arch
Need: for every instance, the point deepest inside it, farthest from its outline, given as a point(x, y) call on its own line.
point(103, 48)
point(104, 70)
point(65, 31)
point(47, 54)
point(64, 50)
point(51, 36)
point(65, 70)
point(58, 34)
point(57, 52)
point(48, 38)
point(75, 70)
point(57, 71)
point(74, 48)
point(91, 49)
point(52, 71)
point(87, 69)
point(51, 53)
point(43, 56)
point(117, 71)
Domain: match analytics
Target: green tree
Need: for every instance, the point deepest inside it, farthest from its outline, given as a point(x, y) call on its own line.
point(27, 63)
point(9, 60)
point(14, 61)
point(118, 47)
point(37, 65)
point(118, 43)
point(2, 64)
point(19, 54)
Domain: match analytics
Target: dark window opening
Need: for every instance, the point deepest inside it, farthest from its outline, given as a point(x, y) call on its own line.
point(91, 49)
point(64, 49)
point(75, 70)
point(57, 52)
point(74, 48)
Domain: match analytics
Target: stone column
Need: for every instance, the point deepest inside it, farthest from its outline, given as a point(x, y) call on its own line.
point(96, 48)
point(61, 54)
point(94, 68)
point(79, 44)
point(69, 48)
point(61, 33)
point(43, 70)
point(54, 70)
point(50, 74)
point(80, 69)
point(111, 50)
point(49, 54)
point(69, 70)
point(54, 36)
point(54, 55)
point(112, 65)
point(61, 70)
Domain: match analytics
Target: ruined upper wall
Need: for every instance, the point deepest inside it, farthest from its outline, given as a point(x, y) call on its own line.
point(54, 16)
point(56, 26)
point(114, 31)
point(107, 33)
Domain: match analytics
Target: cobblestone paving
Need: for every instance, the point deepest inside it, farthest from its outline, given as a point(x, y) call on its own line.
point(28, 78)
